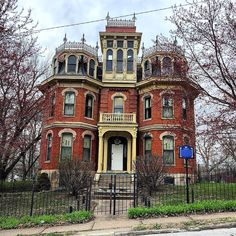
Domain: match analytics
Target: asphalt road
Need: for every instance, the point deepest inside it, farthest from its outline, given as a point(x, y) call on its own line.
point(213, 232)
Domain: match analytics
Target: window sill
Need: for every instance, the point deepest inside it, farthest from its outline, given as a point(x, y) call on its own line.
point(47, 162)
point(88, 118)
point(68, 116)
point(167, 118)
point(147, 119)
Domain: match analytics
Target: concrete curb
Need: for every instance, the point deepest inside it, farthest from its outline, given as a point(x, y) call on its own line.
point(165, 231)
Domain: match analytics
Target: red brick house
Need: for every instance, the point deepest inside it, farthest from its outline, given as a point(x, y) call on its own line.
point(114, 107)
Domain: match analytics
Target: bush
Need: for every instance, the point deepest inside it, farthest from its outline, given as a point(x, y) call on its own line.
point(75, 175)
point(171, 210)
point(150, 172)
point(16, 186)
point(43, 182)
point(26, 221)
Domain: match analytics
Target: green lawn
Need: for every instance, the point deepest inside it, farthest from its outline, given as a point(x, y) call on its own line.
point(48, 202)
point(170, 194)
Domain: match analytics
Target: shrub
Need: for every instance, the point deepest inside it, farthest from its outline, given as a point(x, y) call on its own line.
point(16, 186)
point(26, 221)
point(75, 175)
point(43, 182)
point(150, 172)
point(170, 210)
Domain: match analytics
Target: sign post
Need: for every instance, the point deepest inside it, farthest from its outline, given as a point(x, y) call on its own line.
point(186, 152)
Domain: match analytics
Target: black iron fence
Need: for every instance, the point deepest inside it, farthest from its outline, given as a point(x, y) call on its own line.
point(217, 185)
point(115, 193)
point(15, 201)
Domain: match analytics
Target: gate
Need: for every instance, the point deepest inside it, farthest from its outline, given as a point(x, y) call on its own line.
point(114, 194)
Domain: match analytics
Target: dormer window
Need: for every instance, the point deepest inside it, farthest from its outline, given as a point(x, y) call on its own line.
point(71, 66)
point(110, 43)
point(82, 65)
point(146, 68)
point(120, 44)
point(55, 66)
point(130, 60)
point(166, 66)
point(119, 62)
point(109, 60)
point(156, 66)
point(130, 44)
point(61, 67)
point(91, 67)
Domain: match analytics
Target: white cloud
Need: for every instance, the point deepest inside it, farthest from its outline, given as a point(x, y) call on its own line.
point(53, 13)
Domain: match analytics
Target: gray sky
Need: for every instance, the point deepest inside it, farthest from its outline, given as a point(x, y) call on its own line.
point(49, 13)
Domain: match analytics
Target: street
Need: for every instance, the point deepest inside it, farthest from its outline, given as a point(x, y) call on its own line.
point(213, 232)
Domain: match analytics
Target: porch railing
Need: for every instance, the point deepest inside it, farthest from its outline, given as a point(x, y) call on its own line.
point(118, 117)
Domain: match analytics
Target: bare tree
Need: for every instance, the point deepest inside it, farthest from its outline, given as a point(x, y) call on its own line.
point(75, 175)
point(150, 172)
point(207, 29)
point(20, 70)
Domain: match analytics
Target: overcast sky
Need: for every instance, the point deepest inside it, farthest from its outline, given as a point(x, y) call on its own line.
point(49, 13)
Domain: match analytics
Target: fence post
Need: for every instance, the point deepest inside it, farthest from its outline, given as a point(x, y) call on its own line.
point(134, 194)
point(78, 201)
point(192, 195)
point(110, 187)
point(32, 198)
point(114, 196)
point(187, 181)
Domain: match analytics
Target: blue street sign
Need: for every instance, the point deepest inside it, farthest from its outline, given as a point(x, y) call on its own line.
point(186, 152)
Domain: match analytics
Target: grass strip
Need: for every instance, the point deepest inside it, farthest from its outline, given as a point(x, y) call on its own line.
point(27, 221)
point(208, 206)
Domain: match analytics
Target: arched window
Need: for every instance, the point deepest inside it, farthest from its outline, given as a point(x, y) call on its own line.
point(119, 62)
point(166, 66)
point(82, 65)
point(167, 107)
point(89, 106)
point(109, 60)
point(184, 108)
point(146, 68)
point(147, 146)
point(139, 74)
point(49, 147)
point(87, 148)
point(91, 67)
point(71, 66)
point(55, 66)
point(52, 105)
point(66, 146)
point(61, 65)
point(99, 72)
point(168, 150)
point(147, 108)
point(130, 60)
point(69, 104)
point(156, 67)
point(118, 104)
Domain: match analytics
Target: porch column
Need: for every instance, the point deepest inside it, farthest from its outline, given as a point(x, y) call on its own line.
point(100, 153)
point(105, 155)
point(129, 158)
point(133, 150)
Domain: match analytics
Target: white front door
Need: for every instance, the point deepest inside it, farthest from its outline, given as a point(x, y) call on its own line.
point(117, 157)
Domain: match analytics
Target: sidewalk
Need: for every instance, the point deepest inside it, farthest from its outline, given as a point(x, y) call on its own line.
point(121, 225)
